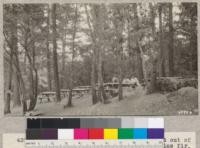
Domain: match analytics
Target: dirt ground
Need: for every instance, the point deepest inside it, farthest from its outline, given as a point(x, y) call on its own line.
point(135, 102)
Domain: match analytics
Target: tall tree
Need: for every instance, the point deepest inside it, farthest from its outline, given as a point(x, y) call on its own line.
point(9, 92)
point(139, 50)
point(93, 75)
point(119, 25)
point(63, 56)
point(29, 47)
point(162, 58)
point(55, 61)
point(64, 18)
point(16, 79)
point(73, 56)
point(151, 86)
point(171, 41)
point(11, 40)
point(48, 52)
point(99, 23)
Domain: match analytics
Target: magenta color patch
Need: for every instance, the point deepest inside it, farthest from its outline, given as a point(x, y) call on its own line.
point(80, 133)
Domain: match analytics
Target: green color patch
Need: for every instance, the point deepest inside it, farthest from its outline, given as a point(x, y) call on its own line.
point(125, 133)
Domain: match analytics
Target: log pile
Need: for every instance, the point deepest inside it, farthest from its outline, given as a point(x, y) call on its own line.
point(169, 84)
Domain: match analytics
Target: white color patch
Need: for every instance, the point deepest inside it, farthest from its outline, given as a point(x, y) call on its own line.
point(65, 134)
point(155, 123)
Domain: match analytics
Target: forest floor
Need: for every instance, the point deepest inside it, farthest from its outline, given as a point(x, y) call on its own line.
point(135, 102)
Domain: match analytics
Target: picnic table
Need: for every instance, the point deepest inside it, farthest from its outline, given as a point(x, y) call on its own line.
point(64, 92)
point(116, 85)
point(47, 95)
point(86, 87)
point(76, 90)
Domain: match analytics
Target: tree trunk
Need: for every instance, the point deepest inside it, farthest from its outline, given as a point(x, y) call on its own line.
point(162, 59)
point(193, 56)
point(9, 91)
point(64, 33)
point(13, 48)
point(32, 89)
point(21, 86)
point(151, 84)
point(48, 53)
point(120, 78)
point(102, 96)
point(33, 73)
point(120, 60)
point(16, 91)
point(16, 82)
point(56, 74)
point(69, 104)
point(93, 80)
point(63, 62)
point(99, 23)
point(118, 24)
point(30, 54)
point(130, 47)
point(35, 89)
point(171, 41)
point(20, 81)
point(139, 55)
point(93, 74)
point(142, 64)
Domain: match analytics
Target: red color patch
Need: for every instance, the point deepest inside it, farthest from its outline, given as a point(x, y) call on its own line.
point(96, 133)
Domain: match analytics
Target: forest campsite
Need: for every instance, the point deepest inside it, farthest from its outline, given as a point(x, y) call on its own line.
point(100, 59)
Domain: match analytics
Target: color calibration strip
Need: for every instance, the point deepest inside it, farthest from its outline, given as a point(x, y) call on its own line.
point(95, 128)
point(94, 133)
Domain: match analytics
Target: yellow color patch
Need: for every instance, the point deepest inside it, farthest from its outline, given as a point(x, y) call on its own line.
point(111, 133)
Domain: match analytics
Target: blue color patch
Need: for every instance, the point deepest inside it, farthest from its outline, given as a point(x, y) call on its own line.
point(139, 133)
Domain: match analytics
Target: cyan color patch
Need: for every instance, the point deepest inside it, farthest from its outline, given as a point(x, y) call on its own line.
point(139, 133)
